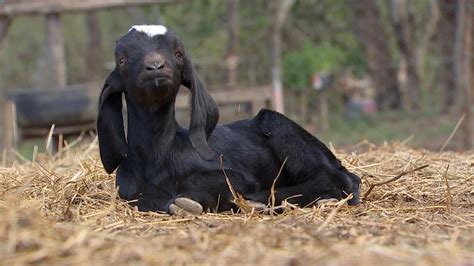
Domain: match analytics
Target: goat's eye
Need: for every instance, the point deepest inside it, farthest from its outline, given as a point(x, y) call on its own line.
point(179, 55)
point(122, 61)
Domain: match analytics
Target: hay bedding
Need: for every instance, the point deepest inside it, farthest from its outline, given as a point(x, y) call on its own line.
point(65, 210)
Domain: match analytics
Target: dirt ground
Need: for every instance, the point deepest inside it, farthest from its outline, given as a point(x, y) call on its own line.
point(64, 209)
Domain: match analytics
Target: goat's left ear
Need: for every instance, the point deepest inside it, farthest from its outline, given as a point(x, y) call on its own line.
point(204, 112)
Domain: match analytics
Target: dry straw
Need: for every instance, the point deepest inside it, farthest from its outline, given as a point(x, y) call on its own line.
point(65, 210)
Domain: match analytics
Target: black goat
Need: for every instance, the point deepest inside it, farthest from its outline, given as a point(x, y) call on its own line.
point(164, 167)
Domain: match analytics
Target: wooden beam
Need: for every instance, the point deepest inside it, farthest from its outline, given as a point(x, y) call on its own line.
point(10, 8)
point(258, 96)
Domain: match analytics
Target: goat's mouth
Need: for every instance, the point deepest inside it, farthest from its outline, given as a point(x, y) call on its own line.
point(157, 82)
point(355, 200)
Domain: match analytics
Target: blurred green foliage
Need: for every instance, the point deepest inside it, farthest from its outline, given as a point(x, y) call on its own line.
point(325, 42)
point(300, 65)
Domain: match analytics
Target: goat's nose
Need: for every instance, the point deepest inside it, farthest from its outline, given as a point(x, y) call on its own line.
point(154, 66)
point(154, 62)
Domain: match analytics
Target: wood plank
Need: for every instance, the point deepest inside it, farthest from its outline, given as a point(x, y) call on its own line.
point(257, 94)
point(32, 7)
point(65, 130)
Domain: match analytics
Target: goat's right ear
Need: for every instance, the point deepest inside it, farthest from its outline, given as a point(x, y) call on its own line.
point(110, 128)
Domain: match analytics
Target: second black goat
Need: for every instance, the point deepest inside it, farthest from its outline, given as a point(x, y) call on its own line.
point(165, 167)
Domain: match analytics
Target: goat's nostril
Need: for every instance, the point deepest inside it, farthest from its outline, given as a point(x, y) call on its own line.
point(150, 67)
point(154, 66)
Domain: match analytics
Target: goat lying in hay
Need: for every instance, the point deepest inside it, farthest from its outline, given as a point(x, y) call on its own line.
point(164, 167)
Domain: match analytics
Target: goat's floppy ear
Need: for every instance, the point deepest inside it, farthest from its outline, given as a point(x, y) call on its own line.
point(204, 112)
point(112, 143)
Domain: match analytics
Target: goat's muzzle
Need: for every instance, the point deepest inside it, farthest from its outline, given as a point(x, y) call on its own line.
point(154, 63)
point(355, 200)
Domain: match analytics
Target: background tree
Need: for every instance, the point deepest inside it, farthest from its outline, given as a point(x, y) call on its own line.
point(371, 34)
point(279, 11)
point(446, 46)
point(4, 23)
point(403, 21)
point(232, 56)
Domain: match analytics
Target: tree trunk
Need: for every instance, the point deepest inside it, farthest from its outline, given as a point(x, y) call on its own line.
point(446, 37)
point(93, 54)
point(279, 10)
point(402, 19)
point(464, 67)
point(4, 24)
point(374, 40)
point(55, 70)
point(232, 56)
point(428, 31)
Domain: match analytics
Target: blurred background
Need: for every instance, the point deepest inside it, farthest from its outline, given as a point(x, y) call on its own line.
point(351, 71)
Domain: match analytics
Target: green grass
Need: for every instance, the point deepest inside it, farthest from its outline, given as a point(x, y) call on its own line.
point(424, 129)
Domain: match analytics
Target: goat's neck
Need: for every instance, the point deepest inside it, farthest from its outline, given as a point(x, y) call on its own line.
point(155, 127)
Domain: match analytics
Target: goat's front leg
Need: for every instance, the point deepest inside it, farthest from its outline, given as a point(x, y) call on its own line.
point(144, 194)
point(157, 197)
point(129, 181)
point(209, 191)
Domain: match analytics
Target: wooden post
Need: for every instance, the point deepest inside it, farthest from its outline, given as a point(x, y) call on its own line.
point(55, 73)
point(93, 55)
point(324, 110)
point(9, 129)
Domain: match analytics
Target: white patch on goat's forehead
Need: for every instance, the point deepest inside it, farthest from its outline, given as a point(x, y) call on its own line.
point(150, 30)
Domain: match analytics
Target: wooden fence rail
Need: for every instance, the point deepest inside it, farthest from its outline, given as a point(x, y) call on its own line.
point(44, 7)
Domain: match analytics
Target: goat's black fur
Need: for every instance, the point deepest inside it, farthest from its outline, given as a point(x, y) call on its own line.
point(159, 161)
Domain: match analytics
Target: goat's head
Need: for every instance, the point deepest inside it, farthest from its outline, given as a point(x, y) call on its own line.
point(151, 65)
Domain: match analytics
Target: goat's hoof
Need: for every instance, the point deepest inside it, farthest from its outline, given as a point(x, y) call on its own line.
point(188, 205)
point(324, 201)
point(257, 205)
point(175, 210)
